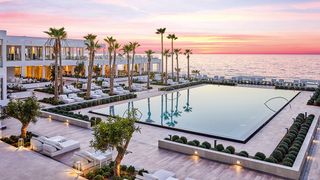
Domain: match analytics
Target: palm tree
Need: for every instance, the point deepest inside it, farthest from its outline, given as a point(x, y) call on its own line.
point(187, 52)
point(110, 40)
point(166, 53)
point(56, 36)
point(115, 47)
point(149, 55)
point(134, 46)
point(187, 107)
point(172, 37)
point(126, 51)
point(177, 52)
point(161, 31)
point(92, 46)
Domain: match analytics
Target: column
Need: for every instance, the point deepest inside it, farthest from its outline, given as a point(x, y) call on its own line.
point(140, 69)
point(116, 70)
point(23, 71)
point(103, 70)
point(43, 72)
point(23, 53)
point(43, 53)
point(86, 71)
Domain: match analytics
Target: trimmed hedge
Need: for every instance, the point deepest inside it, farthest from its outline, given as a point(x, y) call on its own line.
point(51, 101)
point(285, 153)
point(315, 98)
point(193, 83)
point(287, 150)
point(66, 110)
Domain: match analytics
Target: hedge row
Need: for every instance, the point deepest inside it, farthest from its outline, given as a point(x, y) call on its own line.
point(287, 150)
point(193, 83)
point(67, 109)
point(285, 153)
point(51, 101)
point(298, 88)
point(218, 147)
point(48, 90)
point(315, 98)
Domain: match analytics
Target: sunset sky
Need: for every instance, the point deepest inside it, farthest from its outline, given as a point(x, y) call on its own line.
point(206, 26)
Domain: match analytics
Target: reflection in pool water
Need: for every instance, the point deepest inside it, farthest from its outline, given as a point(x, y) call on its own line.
point(228, 112)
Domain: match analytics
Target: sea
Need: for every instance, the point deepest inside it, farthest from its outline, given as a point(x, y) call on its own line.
point(287, 67)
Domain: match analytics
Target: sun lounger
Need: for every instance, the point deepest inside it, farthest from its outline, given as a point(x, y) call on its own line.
point(65, 99)
point(72, 88)
point(75, 97)
point(53, 146)
point(99, 92)
point(94, 95)
point(171, 82)
point(89, 159)
point(66, 90)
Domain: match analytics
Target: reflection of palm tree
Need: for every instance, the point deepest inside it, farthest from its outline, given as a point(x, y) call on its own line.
point(166, 114)
point(172, 122)
point(187, 107)
point(161, 114)
point(149, 112)
point(177, 113)
point(111, 111)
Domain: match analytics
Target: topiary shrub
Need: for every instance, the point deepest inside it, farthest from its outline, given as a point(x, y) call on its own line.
point(174, 137)
point(98, 177)
point(184, 139)
point(243, 153)
point(260, 155)
point(231, 149)
point(206, 144)
point(203, 146)
point(131, 170)
point(219, 147)
point(179, 141)
point(287, 162)
point(196, 142)
point(227, 151)
point(277, 155)
point(271, 160)
point(192, 143)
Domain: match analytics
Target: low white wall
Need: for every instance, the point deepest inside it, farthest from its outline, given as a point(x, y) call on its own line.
point(293, 172)
point(72, 121)
point(36, 85)
point(21, 95)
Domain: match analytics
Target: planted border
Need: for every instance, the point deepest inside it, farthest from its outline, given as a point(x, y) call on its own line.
point(297, 88)
point(66, 110)
point(194, 83)
point(284, 154)
point(315, 98)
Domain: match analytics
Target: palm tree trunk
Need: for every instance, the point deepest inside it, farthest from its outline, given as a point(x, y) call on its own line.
point(166, 79)
point(177, 68)
point(148, 81)
point(188, 67)
point(60, 68)
point(90, 67)
point(56, 73)
point(111, 73)
point(128, 69)
point(172, 59)
point(161, 58)
point(132, 67)
point(24, 130)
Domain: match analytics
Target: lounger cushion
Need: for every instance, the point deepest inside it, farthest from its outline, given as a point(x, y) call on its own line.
point(36, 144)
point(48, 148)
point(163, 174)
point(54, 144)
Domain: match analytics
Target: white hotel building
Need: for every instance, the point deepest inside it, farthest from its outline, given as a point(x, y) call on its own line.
point(22, 56)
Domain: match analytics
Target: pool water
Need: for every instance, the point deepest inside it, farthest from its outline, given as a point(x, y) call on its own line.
point(226, 112)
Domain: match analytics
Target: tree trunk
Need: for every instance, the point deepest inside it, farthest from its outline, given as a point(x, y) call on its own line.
point(119, 158)
point(148, 80)
point(166, 79)
point(161, 58)
point(90, 67)
point(24, 130)
point(188, 68)
point(128, 69)
point(56, 73)
point(172, 59)
point(60, 68)
point(132, 68)
point(177, 67)
point(110, 73)
point(113, 72)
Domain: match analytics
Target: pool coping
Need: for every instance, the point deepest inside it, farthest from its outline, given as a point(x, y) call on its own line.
point(209, 135)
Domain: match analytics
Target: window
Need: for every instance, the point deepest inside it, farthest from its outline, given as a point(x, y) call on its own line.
point(33, 52)
point(13, 53)
point(49, 54)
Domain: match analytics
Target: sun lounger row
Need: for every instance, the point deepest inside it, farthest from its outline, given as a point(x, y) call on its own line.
point(106, 84)
point(93, 86)
point(70, 89)
point(98, 94)
point(90, 159)
point(71, 98)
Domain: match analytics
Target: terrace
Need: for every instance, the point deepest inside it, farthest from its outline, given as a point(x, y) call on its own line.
point(145, 151)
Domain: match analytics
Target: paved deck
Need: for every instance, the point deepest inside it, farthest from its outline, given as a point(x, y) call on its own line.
point(25, 164)
point(146, 154)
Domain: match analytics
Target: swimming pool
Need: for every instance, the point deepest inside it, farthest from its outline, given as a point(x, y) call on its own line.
point(226, 112)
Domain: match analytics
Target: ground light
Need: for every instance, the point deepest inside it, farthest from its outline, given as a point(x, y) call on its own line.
point(20, 143)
